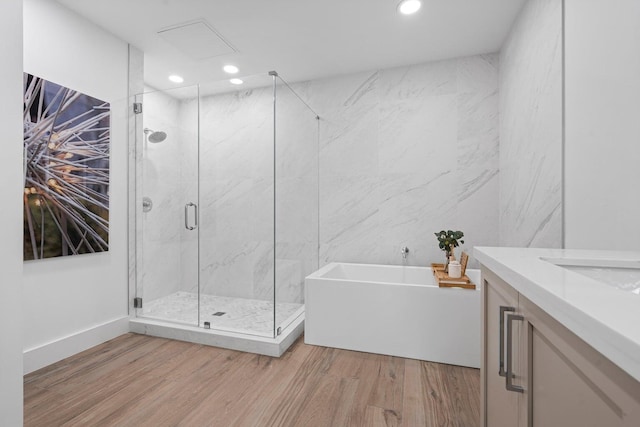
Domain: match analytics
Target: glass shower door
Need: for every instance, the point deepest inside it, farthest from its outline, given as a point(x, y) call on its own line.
point(167, 195)
point(237, 196)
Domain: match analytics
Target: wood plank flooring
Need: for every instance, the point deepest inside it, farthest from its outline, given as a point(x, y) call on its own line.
point(136, 380)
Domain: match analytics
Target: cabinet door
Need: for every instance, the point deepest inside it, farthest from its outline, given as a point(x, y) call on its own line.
point(571, 383)
point(563, 395)
point(500, 405)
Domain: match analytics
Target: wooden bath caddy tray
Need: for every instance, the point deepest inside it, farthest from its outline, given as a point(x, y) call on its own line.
point(444, 281)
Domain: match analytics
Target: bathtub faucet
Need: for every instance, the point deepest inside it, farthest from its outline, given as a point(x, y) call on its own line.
point(405, 252)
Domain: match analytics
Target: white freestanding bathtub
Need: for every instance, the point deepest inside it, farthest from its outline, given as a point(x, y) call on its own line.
point(393, 310)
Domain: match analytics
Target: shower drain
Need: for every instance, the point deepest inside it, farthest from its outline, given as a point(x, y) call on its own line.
point(219, 313)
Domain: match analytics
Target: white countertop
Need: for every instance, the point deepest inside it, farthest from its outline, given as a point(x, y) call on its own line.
point(605, 317)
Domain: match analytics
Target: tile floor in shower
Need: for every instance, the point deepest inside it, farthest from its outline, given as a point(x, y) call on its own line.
point(242, 315)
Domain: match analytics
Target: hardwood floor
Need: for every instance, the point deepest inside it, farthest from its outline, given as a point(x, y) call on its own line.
point(136, 380)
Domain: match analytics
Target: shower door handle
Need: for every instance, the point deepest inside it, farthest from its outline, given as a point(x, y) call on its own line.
point(186, 216)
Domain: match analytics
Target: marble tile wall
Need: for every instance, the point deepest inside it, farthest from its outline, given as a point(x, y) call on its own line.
point(531, 128)
point(297, 192)
point(237, 194)
point(406, 152)
point(163, 226)
point(189, 188)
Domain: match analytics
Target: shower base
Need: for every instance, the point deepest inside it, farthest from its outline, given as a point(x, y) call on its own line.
point(236, 323)
point(242, 315)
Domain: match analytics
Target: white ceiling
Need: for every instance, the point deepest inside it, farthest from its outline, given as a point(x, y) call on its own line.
point(303, 39)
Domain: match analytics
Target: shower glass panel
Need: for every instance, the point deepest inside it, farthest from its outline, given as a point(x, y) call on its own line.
point(167, 215)
point(296, 199)
point(237, 198)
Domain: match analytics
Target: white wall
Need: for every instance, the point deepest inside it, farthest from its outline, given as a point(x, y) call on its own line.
point(75, 302)
point(602, 124)
point(531, 128)
point(11, 214)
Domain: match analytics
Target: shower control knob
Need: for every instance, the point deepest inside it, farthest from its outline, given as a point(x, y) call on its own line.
point(147, 204)
point(404, 251)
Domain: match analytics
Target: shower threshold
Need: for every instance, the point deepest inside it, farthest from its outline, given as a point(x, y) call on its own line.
point(245, 325)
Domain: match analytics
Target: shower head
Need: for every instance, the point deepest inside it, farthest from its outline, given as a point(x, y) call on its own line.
point(155, 136)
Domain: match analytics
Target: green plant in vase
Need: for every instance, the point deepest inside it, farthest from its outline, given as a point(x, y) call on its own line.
point(447, 240)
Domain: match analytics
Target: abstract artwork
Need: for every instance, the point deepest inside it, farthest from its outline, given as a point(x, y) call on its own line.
point(66, 171)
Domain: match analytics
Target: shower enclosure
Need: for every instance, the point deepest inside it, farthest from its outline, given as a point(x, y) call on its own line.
point(226, 224)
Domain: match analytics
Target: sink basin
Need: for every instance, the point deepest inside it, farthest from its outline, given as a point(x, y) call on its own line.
point(620, 274)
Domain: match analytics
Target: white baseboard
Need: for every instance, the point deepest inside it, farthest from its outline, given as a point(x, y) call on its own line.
point(46, 354)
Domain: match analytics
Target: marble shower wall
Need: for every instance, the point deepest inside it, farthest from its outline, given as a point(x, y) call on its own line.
point(531, 128)
point(164, 237)
point(404, 153)
point(237, 194)
point(189, 188)
point(296, 202)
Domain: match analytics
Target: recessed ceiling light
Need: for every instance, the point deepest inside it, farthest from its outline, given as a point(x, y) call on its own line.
point(236, 81)
point(231, 69)
point(176, 78)
point(409, 7)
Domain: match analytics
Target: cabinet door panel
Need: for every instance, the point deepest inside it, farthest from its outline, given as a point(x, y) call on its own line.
point(563, 395)
point(501, 405)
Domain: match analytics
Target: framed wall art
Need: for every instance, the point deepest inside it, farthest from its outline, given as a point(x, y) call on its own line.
point(66, 171)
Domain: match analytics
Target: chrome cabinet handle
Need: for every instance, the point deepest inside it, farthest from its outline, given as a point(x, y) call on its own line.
point(510, 375)
point(186, 216)
point(501, 370)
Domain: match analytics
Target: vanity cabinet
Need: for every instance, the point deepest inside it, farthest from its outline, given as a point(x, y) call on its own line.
point(535, 372)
